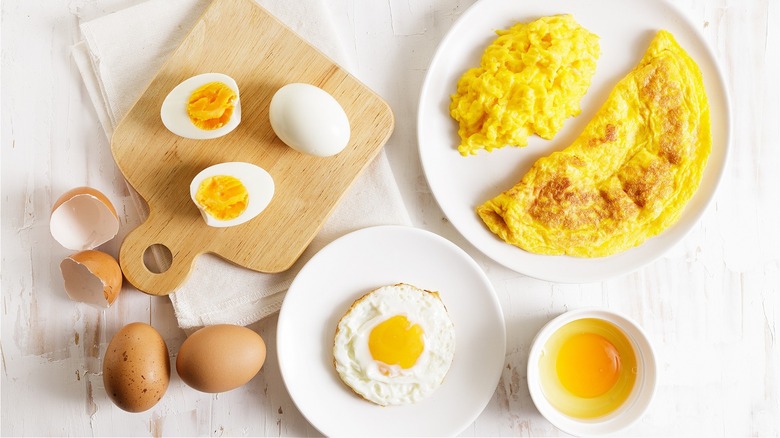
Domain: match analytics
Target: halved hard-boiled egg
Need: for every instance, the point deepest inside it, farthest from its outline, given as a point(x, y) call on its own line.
point(202, 107)
point(232, 193)
point(395, 345)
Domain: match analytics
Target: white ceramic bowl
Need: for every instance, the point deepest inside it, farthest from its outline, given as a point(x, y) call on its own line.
point(639, 399)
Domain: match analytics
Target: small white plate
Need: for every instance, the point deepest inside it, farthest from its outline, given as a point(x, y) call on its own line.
point(356, 264)
point(460, 184)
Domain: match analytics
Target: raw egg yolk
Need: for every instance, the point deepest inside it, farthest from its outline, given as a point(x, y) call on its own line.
point(588, 365)
point(211, 105)
point(222, 196)
point(396, 341)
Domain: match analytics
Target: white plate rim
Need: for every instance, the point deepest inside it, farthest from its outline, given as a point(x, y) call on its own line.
point(492, 366)
point(565, 269)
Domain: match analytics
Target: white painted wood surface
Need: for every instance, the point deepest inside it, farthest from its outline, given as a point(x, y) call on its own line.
point(710, 305)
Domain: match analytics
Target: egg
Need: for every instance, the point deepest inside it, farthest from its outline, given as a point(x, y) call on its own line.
point(627, 176)
point(220, 358)
point(92, 277)
point(136, 367)
point(309, 120)
point(529, 81)
point(229, 194)
point(588, 368)
point(394, 345)
point(83, 218)
point(202, 107)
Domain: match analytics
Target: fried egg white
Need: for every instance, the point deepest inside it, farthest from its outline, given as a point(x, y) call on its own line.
point(629, 174)
point(394, 345)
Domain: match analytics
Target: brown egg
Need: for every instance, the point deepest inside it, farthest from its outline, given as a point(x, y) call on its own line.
point(221, 357)
point(136, 367)
point(92, 277)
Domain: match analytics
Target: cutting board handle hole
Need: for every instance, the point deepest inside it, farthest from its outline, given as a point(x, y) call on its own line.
point(158, 258)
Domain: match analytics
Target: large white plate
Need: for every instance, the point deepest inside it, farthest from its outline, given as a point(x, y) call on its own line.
point(356, 264)
point(460, 184)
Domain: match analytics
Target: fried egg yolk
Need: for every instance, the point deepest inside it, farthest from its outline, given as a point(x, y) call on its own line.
point(396, 341)
point(223, 197)
point(210, 106)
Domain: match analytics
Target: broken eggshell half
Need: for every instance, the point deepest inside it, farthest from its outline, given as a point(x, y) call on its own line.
point(83, 218)
point(92, 277)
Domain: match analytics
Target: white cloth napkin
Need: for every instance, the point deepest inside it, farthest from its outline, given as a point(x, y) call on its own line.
point(120, 54)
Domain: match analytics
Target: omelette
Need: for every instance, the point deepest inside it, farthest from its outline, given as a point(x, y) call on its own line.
point(628, 175)
point(529, 81)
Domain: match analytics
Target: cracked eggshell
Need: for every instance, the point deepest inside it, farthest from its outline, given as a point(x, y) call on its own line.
point(92, 277)
point(83, 218)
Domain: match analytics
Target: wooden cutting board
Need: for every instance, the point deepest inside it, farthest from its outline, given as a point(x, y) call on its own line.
point(241, 39)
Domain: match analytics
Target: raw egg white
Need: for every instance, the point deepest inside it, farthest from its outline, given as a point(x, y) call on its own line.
point(588, 368)
point(217, 109)
point(309, 120)
point(232, 193)
point(394, 345)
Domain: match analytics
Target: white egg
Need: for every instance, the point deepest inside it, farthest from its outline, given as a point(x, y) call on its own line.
point(395, 383)
point(309, 120)
point(174, 108)
point(258, 183)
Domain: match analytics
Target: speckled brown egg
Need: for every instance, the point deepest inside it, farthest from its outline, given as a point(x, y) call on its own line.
point(220, 357)
point(136, 367)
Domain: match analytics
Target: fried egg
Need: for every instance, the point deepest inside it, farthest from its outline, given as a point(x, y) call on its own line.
point(394, 345)
point(628, 175)
point(530, 80)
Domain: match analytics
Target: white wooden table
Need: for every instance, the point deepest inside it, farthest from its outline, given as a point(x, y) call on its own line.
point(710, 305)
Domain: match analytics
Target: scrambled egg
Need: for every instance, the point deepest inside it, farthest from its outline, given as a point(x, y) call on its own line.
point(628, 175)
point(530, 79)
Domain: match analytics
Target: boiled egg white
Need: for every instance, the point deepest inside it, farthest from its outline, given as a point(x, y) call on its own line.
point(309, 120)
point(394, 345)
point(202, 107)
point(231, 193)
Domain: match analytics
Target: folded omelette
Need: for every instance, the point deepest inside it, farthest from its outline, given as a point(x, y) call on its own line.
point(628, 175)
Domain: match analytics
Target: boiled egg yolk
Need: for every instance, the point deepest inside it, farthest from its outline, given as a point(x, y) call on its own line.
point(210, 106)
point(588, 365)
point(396, 341)
point(223, 197)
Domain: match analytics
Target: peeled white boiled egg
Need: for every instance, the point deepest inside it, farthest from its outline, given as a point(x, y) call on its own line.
point(309, 120)
point(394, 345)
point(232, 193)
point(83, 218)
point(202, 107)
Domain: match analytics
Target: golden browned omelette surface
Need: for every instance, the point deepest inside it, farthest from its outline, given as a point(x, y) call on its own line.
point(629, 174)
point(529, 81)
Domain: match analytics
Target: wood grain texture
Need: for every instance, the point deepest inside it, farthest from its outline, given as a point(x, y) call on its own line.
point(711, 305)
point(262, 55)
